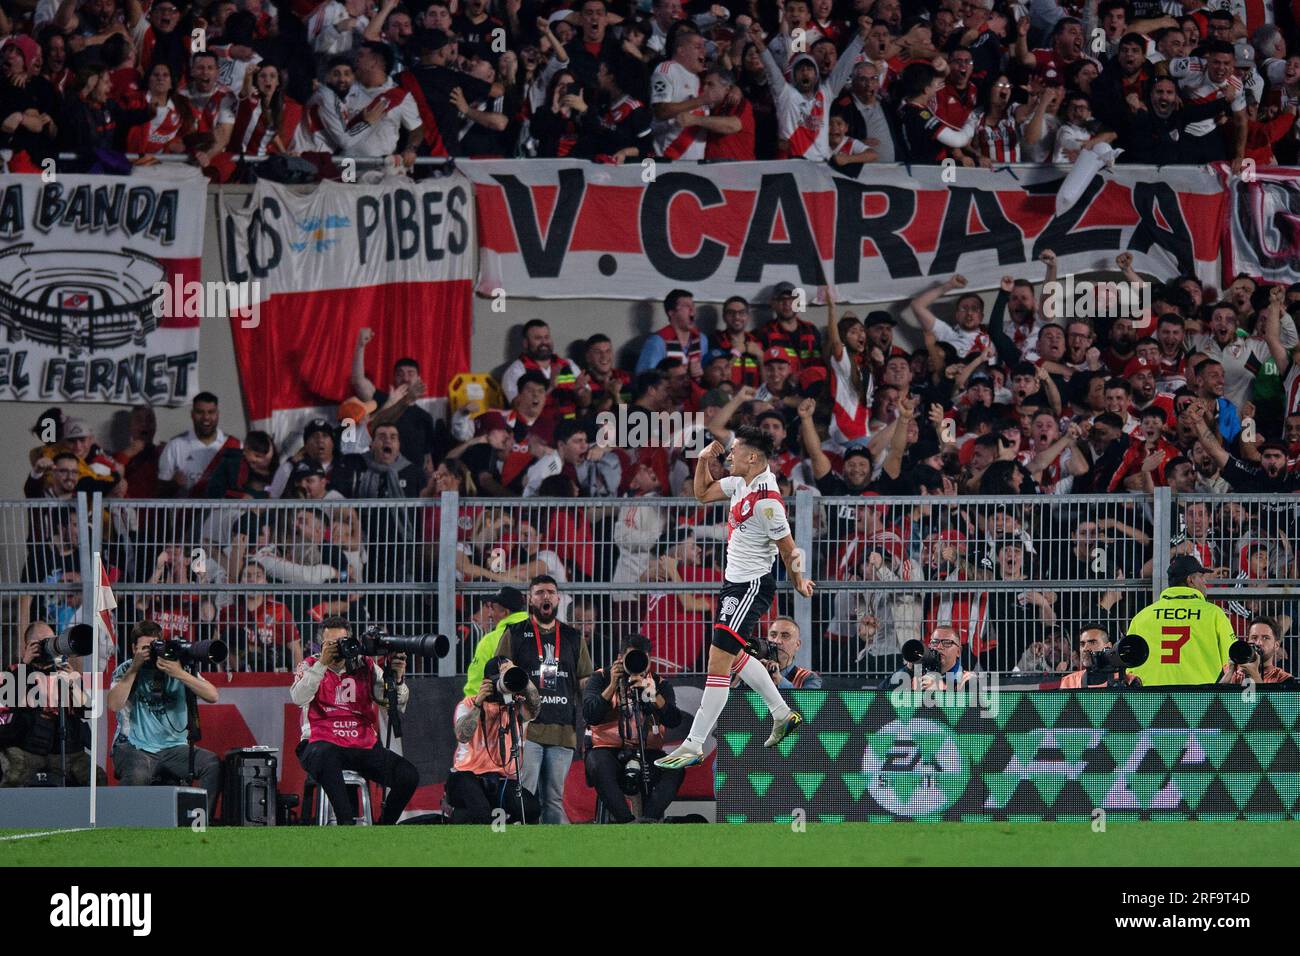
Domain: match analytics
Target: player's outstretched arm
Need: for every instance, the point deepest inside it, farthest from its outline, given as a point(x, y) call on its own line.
point(706, 489)
point(795, 562)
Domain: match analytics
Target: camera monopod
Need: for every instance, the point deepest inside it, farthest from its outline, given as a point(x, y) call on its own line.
point(635, 663)
point(511, 683)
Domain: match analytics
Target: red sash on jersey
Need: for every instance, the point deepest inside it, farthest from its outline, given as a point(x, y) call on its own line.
point(684, 141)
point(432, 135)
point(743, 510)
point(391, 98)
point(803, 138)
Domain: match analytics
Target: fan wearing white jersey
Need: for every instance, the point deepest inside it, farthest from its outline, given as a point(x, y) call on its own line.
point(803, 106)
point(757, 531)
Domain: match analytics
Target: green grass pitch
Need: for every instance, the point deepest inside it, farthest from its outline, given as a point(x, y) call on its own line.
point(821, 844)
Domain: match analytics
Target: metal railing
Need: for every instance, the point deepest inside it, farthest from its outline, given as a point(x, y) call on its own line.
point(1016, 577)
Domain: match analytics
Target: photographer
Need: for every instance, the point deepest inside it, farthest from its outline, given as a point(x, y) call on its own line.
point(1265, 639)
point(341, 697)
point(783, 636)
point(148, 693)
point(29, 741)
point(1097, 668)
point(485, 766)
point(936, 667)
point(558, 662)
point(611, 705)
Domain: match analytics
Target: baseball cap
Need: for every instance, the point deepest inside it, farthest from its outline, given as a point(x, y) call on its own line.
point(75, 428)
point(980, 378)
point(307, 468)
point(878, 317)
point(1136, 365)
point(317, 425)
point(776, 354)
point(509, 598)
point(800, 58)
point(713, 355)
point(488, 422)
point(1183, 566)
point(786, 288)
point(811, 379)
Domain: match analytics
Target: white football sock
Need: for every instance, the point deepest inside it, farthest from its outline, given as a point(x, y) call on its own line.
point(756, 676)
point(717, 688)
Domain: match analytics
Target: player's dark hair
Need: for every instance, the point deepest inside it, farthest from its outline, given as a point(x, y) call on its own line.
point(532, 378)
point(207, 398)
point(756, 439)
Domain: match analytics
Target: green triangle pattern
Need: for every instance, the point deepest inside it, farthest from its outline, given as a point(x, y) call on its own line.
point(756, 703)
point(831, 817)
point(1049, 706)
point(929, 742)
point(1120, 746)
point(809, 783)
point(1265, 747)
point(973, 746)
point(737, 818)
point(1192, 785)
point(1001, 786)
point(855, 783)
point(954, 712)
point(1144, 706)
point(1024, 745)
point(1073, 743)
point(880, 743)
point(719, 778)
point(832, 742)
point(760, 782)
point(1048, 785)
point(1216, 747)
point(903, 783)
point(1146, 785)
point(1240, 786)
point(1238, 708)
point(737, 740)
point(787, 744)
point(856, 704)
point(1192, 706)
point(809, 702)
point(1287, 708)
point(1288, 788)
point(1097, 706)
point(1007, 704)
point(952, 785)
point(1169, 746)
point(1096, 785)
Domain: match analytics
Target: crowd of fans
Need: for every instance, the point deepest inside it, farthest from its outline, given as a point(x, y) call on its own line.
point(983, 82)
point(1199, 393)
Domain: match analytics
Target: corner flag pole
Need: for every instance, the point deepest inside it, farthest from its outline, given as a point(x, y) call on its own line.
point(96, 701)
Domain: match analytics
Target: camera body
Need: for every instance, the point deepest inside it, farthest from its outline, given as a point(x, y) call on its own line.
point(507, 680)
point(928, 659)
point(187, 653)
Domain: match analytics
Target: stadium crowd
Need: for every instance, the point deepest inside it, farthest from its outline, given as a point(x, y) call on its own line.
point(1199, 393)
point(983, 82)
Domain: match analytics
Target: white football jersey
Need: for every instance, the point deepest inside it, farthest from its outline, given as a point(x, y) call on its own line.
point(672, 83)
point(756, 520)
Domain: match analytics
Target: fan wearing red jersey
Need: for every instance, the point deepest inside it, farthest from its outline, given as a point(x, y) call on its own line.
point(757, 531)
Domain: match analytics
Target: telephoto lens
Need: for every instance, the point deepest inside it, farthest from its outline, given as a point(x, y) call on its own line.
point(636, 662)
point(1133, 650)
point(75, 642)
point(1241, 653)
point(204, 652)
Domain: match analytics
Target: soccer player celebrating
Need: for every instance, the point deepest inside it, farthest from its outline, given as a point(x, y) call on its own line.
point(757, 530)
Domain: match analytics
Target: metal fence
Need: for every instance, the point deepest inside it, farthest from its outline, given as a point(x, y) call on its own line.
point(1016, 577)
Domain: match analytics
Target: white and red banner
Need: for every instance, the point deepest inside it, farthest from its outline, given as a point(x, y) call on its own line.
point(561, 229)
point(1262, 224)
point(397, 258)
point(80, 259)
